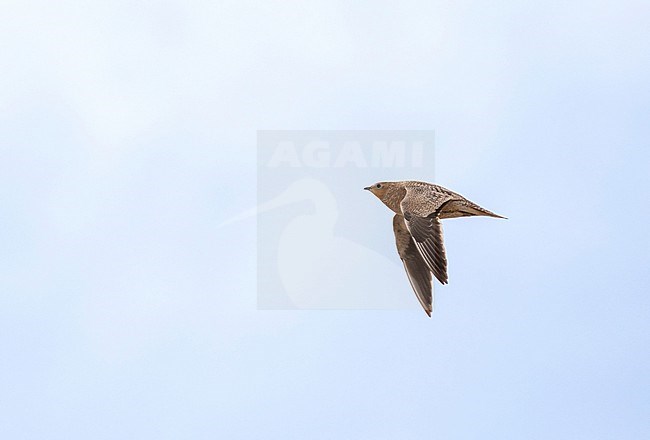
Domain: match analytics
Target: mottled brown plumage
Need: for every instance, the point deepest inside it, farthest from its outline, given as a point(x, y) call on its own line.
point(419, 207)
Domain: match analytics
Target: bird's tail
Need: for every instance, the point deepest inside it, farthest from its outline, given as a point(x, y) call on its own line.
point(465, 208)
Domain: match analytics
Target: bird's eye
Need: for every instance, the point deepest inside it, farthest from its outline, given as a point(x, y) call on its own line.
point(378, 185)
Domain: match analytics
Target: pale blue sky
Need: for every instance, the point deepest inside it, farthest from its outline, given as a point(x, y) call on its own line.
point(127, 134)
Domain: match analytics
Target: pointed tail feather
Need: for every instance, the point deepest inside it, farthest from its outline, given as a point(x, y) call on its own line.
point(465, 208)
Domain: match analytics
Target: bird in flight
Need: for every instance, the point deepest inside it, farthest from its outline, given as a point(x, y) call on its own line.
point(418, 208)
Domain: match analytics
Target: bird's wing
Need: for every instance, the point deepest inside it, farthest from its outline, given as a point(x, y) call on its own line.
point(417, 269)
point(420, 209)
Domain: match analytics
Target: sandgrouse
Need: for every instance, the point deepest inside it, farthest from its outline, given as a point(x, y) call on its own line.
point(419, 207)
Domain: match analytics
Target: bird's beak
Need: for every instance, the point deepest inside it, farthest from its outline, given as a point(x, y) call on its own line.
point(367, 188)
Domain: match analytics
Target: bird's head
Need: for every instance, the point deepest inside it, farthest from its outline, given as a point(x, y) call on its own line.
point(379, 189)
point(390, 193)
